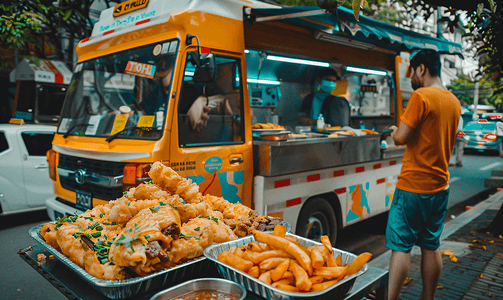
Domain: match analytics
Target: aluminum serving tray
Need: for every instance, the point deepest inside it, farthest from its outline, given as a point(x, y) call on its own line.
point(121, 289)
point(336, 291)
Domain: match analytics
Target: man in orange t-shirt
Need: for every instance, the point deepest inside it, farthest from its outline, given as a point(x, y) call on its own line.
point(428, 128)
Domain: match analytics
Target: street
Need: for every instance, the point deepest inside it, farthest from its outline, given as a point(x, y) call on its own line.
point(20, 281)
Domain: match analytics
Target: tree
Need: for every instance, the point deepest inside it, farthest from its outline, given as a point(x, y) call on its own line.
point(485, 27)
point(464, 88)
point(29, 25)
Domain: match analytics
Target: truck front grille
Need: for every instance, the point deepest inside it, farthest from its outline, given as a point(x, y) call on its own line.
point(91, 166)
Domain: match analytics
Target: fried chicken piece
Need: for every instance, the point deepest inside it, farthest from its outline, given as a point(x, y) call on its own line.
point(192, 244)
point(48, 232)
point(124, 209)
point(168, 179)
point(161, 224)
point(198, 234)
point(73, 248)
point(147, 191)
point(215, 202)
point(105, 271)
point(237, 211)
point(193, 210)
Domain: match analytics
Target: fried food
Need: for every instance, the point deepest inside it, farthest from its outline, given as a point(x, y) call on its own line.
point(267, 126)
point(290, 267)
point(154, 226)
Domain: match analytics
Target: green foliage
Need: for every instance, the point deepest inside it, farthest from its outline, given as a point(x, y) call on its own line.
point(485, 27)
point(26, 23)
point(18, 26)
point(489, 90)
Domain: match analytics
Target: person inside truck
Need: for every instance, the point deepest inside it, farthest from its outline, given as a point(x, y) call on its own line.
point(335, 109)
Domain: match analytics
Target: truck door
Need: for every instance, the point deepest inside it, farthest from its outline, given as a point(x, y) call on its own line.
point(36, 179)
point(211, 148)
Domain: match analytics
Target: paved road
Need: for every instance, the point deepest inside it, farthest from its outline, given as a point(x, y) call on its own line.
point(20, 281)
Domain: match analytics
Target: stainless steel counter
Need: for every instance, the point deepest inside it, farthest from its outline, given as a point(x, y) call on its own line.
point(273, 158)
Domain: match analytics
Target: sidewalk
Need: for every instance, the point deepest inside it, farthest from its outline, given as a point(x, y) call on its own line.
point(478, 273)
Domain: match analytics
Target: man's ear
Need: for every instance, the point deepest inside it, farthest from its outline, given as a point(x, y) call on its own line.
point(421, 70)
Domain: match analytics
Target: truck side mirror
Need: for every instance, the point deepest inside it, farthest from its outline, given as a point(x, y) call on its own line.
point(206, 69)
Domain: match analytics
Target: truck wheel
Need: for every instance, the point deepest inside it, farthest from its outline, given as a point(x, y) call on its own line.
point(317, 218)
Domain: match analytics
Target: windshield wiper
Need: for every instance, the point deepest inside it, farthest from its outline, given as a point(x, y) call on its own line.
point(75, 126)
point(112, 137)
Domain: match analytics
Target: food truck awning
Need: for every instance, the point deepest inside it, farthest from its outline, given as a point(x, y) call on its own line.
point(43, 70)
point(344, 29)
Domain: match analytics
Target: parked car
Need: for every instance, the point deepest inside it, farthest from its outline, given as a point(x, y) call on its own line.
point(24, 175)
point(483, 135)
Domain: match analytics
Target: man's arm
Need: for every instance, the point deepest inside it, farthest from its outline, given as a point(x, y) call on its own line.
point(403, 134)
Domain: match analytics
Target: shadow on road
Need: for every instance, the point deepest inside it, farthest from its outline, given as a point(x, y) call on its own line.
point(14, 220)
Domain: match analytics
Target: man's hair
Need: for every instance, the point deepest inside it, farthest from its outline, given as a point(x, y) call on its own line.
point(327, 72)
point(429, 58)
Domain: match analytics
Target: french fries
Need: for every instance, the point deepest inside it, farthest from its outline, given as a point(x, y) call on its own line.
point(281, 261)
point(287, 246)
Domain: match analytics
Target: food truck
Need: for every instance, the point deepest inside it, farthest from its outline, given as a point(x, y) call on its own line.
point(213, 89)
point(41, 87)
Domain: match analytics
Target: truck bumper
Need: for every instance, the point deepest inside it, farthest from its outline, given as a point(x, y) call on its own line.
point(56, 209)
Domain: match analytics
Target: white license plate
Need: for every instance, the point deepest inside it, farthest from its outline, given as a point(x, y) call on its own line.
point(84, 200)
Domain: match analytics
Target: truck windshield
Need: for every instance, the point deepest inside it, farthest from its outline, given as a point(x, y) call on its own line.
point(123, 90)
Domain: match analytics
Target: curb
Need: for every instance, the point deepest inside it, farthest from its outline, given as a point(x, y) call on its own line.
point(494, 202)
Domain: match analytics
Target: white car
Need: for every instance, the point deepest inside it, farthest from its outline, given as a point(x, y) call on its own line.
point(24, 174)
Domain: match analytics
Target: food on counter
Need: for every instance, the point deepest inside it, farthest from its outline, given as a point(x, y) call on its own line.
point(368, 131)
point(279, 260)
point(206, 295)
point(154, 226)
point(267, 126)
point(333, 135)
point(346, 132)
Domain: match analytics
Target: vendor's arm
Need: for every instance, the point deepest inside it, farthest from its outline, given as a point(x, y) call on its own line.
point(403, 134)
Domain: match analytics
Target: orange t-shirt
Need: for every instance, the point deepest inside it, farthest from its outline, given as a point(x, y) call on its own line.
point(434, 113)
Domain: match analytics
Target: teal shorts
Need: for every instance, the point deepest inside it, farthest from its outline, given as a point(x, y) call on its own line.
point(416, 219)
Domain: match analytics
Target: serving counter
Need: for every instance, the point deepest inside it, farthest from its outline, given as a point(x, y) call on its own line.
point(273, 158)
point(374, 281)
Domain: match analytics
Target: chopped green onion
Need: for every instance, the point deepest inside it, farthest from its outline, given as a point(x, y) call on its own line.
point(162, 203)
point(96, 234)
point(215, 220)
point(147, 236)
point(101, 215)
point(197, 228)
point(154, 209)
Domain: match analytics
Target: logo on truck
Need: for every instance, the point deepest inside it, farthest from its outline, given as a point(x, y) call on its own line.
point(80, 176)
point(129, 6)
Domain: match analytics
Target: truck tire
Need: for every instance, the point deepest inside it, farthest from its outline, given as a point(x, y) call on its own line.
point(317, 218)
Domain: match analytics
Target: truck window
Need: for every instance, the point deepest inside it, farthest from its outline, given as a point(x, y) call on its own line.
point(212, 113)
point(124, 93)
point(4, 145)
point(37, 143)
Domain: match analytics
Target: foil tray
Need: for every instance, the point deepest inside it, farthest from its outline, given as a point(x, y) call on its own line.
point(122, 289)
point(336, 291)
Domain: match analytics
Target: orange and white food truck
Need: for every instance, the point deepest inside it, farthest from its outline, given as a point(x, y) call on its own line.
point(191, 83)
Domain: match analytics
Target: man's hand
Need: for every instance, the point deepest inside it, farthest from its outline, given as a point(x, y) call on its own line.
point(199, 114)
